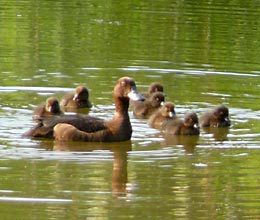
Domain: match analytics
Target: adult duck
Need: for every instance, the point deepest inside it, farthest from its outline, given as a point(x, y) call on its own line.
point(91, 128)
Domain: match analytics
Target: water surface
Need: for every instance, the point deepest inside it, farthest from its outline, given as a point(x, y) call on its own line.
point(204, 53)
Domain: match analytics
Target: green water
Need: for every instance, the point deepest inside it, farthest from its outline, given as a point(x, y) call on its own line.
point(203, 52)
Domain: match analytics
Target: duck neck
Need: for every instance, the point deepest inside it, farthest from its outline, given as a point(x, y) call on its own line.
point(121, 104)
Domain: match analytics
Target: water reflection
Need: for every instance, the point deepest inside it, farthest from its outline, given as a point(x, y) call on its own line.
point(219, 134)
point(120, 151)
point(188, 142)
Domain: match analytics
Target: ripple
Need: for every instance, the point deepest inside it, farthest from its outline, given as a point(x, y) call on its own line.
point(36, 89)
point(15, 121)
point(188, 72)
point(155, 155)
point(34, 200)
point(35, 153)
point(200, 165)
point(216, 94)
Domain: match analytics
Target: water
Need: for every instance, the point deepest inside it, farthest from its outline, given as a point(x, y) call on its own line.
point(203, 52)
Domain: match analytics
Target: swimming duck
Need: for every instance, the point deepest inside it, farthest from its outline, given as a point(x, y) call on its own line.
point(165, 113)
point(154, 87)
point(188, 126)
point(217, 117)
point(143, 109)
point(49, 108)
point(87, 128)
point(117, 129)
point(77, 99)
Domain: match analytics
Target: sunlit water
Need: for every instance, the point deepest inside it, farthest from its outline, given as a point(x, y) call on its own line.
point(201, 61)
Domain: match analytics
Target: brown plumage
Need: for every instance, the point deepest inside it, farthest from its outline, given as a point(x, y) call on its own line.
point(154, 87)
point(77, 99)
point(49, 108)
point(217, 117)
point(117, 129)
point(143, 109)
point(95, 129)
point(188, 126)
point(163, 114)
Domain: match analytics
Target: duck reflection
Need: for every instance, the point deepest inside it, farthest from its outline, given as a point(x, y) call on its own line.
point(120, 151)
point(188, 142)
point(219, 134)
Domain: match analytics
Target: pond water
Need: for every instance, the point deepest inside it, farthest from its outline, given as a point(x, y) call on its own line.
point(204, 53)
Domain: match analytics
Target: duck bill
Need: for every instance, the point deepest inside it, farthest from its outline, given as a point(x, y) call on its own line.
point(171, 114)
point(135, 96)
point(75, 97)
point(227, 121)
point(49, 109)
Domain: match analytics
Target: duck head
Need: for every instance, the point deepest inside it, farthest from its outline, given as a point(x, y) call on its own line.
point(155, 87)
point(221, 115)
point(81, 93)
point(191, 119)
point(167, 110)
point(157, 99)
point(125, 88)
point(52, 105)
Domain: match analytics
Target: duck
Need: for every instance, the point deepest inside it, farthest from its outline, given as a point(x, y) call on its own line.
point(187, 126)
point(47, 109)
point(165, 113)
point(143, 109)
point(93, 129)
point(154, 87)
point(77, 99)
point(116, 129)
point(217, 117)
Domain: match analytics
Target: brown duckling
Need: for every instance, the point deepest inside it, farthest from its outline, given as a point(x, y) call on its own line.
point(144, 109)
point(49, 108)
point(218, 117)
point(162, 115)
point(77, 99)
point(154, 87)
point(188, 126)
